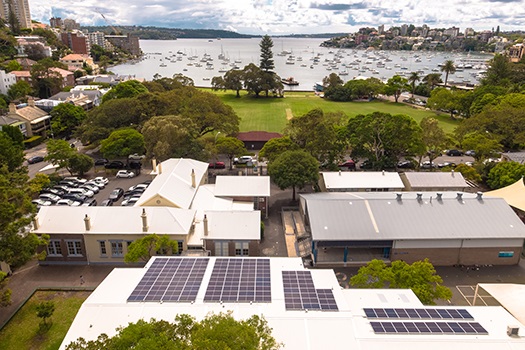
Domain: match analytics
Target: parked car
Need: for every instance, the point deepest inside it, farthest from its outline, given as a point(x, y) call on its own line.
point(90, 202)
point(242, 160)
point(62, 188)
point(101, 179)
point(128, 202)
point(447, 164)
point(69, 202)
point(426, 165)
point(134, 165)
point(116, 194)
point(50, 197)
point(106, 203)
point(98, 185)
point(454, 153)
point(350, 164)
point(125, 174)
point(116, 164)
point(101, 161)
point(217, 165)
point(135, 192)
point(470, 153)
point(41, 203)
point(82, 191)
point(75, 179)
point(405, 164)
point(143, 186)
point(54, 191)
point(136, 156)
point(75, 197)
point(90, 187)
point(69, 184)
point(35, 159)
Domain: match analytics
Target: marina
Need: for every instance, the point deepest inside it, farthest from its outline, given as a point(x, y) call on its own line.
point(303, 59)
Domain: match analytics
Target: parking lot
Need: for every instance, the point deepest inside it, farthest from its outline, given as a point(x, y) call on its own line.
point(123, 183)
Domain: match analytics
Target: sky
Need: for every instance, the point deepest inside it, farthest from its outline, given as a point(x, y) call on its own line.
point(281, 17)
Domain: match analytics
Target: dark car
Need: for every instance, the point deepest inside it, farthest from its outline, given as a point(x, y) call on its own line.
point(405, 164)
point(35, 159)
point(75, 197)
point(70, 184)
point(62, 188)
point(116, 194)
point(116, 164)
point(90, 202)
point(106, 203)
point(134, 165)
point(101, 161)
point(454, 153)
point(54, 191)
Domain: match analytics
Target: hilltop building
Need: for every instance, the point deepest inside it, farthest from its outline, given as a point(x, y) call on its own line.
point(21, 10)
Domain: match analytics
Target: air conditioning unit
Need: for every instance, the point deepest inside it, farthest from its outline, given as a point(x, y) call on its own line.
point(512, 331)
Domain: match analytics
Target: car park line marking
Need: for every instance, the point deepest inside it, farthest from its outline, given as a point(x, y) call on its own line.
point(470, 294)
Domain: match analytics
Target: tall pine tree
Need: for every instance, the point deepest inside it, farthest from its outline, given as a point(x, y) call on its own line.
point(266, 45)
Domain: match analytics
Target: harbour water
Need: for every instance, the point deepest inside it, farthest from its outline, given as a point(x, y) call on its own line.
point(303, 59)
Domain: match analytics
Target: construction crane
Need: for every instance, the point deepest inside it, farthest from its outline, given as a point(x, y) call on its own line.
point(117, 32)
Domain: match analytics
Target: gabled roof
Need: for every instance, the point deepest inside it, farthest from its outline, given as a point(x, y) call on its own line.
point(30, 113)
point(513, 194)
point(242, 186)
point(258, 135)
point(74, 57)
point(173, 182)
point(114, 220)
point(362, 180)
point(436, 179)
point(515, 156)
point(64, 73)
point(381, 216)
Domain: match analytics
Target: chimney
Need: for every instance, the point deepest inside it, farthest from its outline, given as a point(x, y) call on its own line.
point(193, 184)
point(36, 225)
point(87, 222)
point(160, 168)
point(459, 196)
point(439, 196)
point(31, 102)
point(419, 196)
point(383, 172)
point(12, 108)
point(452, 172)
point(154, 164)
point(144, 221)
point(205, 223)
point(339, 172)
point(479, 196)
point(398, 196)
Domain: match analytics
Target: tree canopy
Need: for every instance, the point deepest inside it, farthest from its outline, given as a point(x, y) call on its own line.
point(395, 86)
point(215, 331)
point(144, 248)
point(130, 88)
point(275, 147)
point(230, 147)
point(266, 45)
point(504, 174)
point(420, 277)
point(66, 117)
point(122, 143)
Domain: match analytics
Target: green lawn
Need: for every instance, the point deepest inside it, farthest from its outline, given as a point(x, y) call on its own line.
point(22, 332)
point(269, 114)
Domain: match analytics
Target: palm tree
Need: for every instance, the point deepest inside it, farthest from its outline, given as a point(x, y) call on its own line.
point(413, 78)
point(449, 68)
point(432, 79)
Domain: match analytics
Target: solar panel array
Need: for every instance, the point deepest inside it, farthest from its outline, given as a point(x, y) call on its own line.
point(385, 327)
point(171, 279)
point(241, 280)
point(300, 293)
point(424, 314)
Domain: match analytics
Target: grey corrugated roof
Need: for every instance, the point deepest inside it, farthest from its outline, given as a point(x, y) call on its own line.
point(380, 216)
point(435, 179)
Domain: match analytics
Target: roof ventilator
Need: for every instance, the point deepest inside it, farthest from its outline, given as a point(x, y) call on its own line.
point(439, 196)
point(419, 196)
point(459, 196)
point(398, 196)
point(479, 196)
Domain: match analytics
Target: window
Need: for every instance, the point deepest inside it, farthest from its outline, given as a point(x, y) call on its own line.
point(241, 249)
point(103, 251)
point(74, 248)
point(117, 248)
point(221, 248)
point(505, 254)
point(180, 247)
point(54, 248)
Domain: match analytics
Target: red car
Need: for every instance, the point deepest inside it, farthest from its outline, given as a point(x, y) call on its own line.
point(217, 165)
point(350, 164)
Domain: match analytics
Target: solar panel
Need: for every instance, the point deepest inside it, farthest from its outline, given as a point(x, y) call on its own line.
point(424, 314)
point(387, 327)
point(300, 293)
point(240, 280)
point(171, 279)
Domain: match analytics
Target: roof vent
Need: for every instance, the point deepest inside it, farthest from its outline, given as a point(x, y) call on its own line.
point(459, 196)
point(452, 172)
point(439, 196)
point(479, 196)
point(87, 222)
point(339, 172)
point(399, 195)
point(383, 173)
point(513, 331)
point(193, 183)
point(36, 224)
point(205, 224)
point(144, 217)
point(419, 196)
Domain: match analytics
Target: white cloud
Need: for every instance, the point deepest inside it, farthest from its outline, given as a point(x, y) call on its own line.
point(287, 16)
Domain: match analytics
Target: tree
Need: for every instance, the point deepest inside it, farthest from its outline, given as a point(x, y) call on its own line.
point(215, 331)
point(433, 137)
point(395, 86)
point(45, 310)
point(14, 134)
point(59, 152)
point(420, 277)
point(144, 248)
point(266, 45)
point(13, 65)
point(468, 172)
point(413, 79)
point(499, 71)
point(122, 143)
point(232, 80)
point(183, 80)
point(130, 88)
point(46, 81)
point(80, 163)
point(11, 152)
point(432, 80)
point(275, 147)
point(504, 174)
point(5, 293)
point(19, 90)
point(331, 81)
point(230, 146)
point(449, 68)
point(483, 144)
point(12, 19)
point(446, 100)
point(253, 79)
point(294, 169)
point(36, 52)
point(65, 118)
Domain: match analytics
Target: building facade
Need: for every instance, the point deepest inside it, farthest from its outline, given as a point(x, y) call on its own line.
point(6, 81)
point(21, 10)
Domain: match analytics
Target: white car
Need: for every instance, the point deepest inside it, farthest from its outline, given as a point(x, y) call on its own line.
point(99, 185)
point(125, 173)
point(144, 186)
point(68, 202)
point(101, 179)
point(82, 191)
point(130, 201)
point(90, 187)
point(53, 198)
point(41, 203)
point(243, 160)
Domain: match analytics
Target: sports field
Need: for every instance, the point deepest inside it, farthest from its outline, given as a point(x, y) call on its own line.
point(270, 114)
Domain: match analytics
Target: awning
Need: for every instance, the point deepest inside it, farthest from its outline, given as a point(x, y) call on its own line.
point(513, 194)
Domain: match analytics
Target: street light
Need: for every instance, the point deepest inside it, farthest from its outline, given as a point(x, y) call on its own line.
point(217, 134)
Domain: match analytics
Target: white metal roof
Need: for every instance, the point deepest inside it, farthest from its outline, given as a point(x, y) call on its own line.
point(236, 186)
point(114, 220)
point(510, 296)
point(381, 216)
point(173, 181)
point(362, 180)
point(435, 179)
point(107, 308)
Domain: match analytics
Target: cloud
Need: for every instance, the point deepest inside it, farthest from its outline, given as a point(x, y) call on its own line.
point(286, 16)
